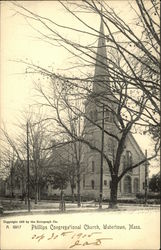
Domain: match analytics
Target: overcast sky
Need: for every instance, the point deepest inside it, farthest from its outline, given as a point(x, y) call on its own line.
point(20, 41)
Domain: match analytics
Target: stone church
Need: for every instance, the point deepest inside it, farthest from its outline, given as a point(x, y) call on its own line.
point(101, 105)
point(99, 112)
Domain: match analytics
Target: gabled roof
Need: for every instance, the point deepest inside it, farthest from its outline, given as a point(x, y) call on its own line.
point(61, 156)
point(136, 145)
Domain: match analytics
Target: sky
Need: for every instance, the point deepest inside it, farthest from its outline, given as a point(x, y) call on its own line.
point(20, 41)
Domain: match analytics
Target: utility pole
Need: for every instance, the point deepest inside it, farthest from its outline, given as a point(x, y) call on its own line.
point(78, 163)
point(146, 178)
point(12, 173)
point(28, 167)
point(101, 168)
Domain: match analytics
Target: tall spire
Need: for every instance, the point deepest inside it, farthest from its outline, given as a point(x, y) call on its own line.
point(101, 70)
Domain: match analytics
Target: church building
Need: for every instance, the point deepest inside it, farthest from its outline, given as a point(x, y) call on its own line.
point(101, 131)
point(99, 111)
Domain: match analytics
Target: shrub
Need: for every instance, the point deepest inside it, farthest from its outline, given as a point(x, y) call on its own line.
point(87, 198)
point(50, 197)
point(150, 195)
point(128, 201)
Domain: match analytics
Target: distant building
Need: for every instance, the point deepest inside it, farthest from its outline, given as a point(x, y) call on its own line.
point(60, 159)
point(15, 183)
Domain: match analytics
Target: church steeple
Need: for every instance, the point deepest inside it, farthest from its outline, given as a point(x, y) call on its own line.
point(101, 75)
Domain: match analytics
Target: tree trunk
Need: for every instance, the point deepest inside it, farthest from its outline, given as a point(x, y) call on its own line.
point(72, 189)
point(23, 191)
point(36, 192)
point(78, 194)
point(78, 186)
point(12, 183)
point(39, 193)
point(113, 194)
point(62, 201)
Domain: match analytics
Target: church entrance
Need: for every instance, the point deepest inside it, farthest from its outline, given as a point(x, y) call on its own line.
point(127, 185)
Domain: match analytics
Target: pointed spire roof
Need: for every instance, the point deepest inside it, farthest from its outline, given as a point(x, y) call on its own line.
point(101, 75)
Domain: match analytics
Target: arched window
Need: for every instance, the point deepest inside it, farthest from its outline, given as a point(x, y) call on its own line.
point(18, 185)
point(127, 160)
point(127, 185)
point(91, 139)
point(91, 115)
point(95, 116)
point(92, 184)
point(108, 115)
point(84, 181)
point(136, 185)
point(110, 145)
point(93, 166)
point(105, 182)
point(124, 162)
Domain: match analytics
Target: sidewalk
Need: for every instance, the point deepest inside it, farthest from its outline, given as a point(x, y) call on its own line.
point(45, 207)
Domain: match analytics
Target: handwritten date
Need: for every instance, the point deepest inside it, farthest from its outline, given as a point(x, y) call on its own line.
point(77, 239)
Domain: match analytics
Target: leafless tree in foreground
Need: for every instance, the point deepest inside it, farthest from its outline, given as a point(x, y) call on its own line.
point(131, 69)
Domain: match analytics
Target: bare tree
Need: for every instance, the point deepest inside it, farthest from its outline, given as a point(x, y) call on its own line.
point(125, 83)
point(121, 127)
point(38, 139)
point(139, 67)
point(65, 142)
point(12, 160)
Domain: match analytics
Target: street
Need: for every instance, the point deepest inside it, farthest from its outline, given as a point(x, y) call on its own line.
point(18, 207)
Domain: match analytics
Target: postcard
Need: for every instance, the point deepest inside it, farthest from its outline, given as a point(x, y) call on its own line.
point(80, 123)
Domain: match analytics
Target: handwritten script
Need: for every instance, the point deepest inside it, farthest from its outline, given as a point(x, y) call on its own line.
point(76, 239)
